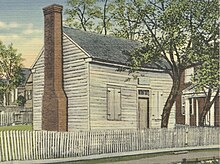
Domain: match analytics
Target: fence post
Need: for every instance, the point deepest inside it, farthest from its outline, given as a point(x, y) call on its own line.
point(186, 136)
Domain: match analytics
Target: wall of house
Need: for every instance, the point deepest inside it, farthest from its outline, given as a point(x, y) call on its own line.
point(160, 83)
point(102, 76)
point(86, 84)
point(75, 85)
point(29, 94)
point(38, 89)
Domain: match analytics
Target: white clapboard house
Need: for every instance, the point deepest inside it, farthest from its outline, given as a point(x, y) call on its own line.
point(98, 95)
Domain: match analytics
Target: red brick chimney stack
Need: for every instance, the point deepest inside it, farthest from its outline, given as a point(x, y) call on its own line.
point(54, 109)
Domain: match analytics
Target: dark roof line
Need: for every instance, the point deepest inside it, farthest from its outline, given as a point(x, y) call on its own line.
point(104, 47)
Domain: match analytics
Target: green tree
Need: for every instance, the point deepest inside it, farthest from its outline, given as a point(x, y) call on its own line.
point(21, 100)
point(127, 19)
point(90, 15)
point(177, 37)
point(82, 14)
point(10, 70)
point(206, 80)
point(105, 24)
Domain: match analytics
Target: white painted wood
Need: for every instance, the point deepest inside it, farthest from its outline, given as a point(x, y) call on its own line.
point(85, 85)
point(101, 76)
point(187, 113)
point(212, 115)
point(188, 74)
point(76, 85)
point(197, 112)
point(38, 89)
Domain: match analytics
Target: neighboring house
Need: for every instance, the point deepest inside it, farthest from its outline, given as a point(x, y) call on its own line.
point(28, 93)
point(10, 100)
point(77, 84)
point(190, 103)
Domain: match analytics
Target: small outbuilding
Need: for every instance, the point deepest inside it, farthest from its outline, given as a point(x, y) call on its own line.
point(78, 85)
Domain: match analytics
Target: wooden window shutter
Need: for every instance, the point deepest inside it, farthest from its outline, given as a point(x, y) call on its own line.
point(161, 103)
point(117, 104)
point(158, 103)
point(111, 113)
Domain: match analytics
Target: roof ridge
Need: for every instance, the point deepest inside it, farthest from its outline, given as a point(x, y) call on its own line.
point(101, 35)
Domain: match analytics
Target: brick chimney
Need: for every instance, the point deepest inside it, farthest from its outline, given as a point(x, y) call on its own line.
point(54, 109)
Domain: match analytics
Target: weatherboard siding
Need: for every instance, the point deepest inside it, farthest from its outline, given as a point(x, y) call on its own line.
point(75, 85)
point(160, 83)
point(102, 76)
point(85, 85)
point(38, 89)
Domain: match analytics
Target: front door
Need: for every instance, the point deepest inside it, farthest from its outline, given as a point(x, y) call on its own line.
point(143, 113)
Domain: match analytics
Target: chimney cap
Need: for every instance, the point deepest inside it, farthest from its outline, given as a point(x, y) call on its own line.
point(52, 8)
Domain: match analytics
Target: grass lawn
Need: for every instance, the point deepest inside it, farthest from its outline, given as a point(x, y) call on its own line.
point(16, 127)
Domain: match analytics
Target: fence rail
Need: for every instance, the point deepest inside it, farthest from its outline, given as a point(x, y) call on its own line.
point(10, 118)
point(27, 145)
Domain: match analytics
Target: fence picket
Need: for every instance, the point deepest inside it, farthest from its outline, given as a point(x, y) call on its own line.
point(9, 118)
point(25, 145)
point(5, 145)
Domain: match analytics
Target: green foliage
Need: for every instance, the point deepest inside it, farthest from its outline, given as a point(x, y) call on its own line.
point(176, 35)
point(82, 13)
point(90, 15)
point(21, 100)
point(10, 68)
point(206, 76)
point(127, 19)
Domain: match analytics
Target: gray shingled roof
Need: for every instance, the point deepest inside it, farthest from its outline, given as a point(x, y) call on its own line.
point(102, 47)
point(26, 73)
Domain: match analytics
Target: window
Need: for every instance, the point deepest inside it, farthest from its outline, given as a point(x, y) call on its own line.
point(188, 74)
point(143, 92)
point(114, 103)
point(183, 106)
point(191, 106)
point(28, 94)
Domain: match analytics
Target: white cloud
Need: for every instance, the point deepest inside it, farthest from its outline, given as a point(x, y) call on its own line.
point(8, 38)
point(26, 38)
point(3, 25)
point(10, 25)
point(31, 30)
point(13, 25)
point(29, 46)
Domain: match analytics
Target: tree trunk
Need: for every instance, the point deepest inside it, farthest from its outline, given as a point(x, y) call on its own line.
point(169, 103)
point(207, 107)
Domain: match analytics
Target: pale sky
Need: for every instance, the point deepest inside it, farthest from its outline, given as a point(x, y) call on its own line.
point(21, 23)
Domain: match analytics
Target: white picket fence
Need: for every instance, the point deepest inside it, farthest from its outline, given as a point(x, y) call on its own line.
point(6, 118)
point(9, 118)
point(28, 145)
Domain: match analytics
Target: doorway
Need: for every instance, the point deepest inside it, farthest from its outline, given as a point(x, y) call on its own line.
point(143, 113)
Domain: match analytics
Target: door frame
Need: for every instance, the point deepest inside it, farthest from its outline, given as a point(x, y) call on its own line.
point(143, 93)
